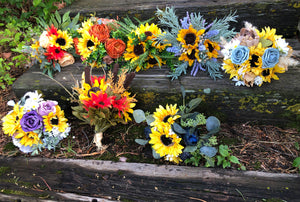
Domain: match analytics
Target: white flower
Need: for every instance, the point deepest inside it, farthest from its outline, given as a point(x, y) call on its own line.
point(44, 40)
point(25, 149)
point(258, 80)
point(282, 46)
point(11, 103)
point(238, 82)
point(32, 100)
point(228, 47)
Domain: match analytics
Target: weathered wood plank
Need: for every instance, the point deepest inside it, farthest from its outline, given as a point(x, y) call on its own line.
point(266, 104)
point(146, 182)
point(281, 14)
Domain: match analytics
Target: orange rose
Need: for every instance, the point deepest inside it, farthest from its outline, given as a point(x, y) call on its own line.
point(100, 31)
point(115, 47)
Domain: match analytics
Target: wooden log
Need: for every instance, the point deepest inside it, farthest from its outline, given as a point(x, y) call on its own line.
point(273, 103)
point(281, 14)
point(95, 179)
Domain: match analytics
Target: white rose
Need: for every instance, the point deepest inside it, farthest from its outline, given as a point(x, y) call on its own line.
point(44, 40)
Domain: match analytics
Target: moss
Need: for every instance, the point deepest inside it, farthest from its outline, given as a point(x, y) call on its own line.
point(9, 147)
point(22, 193)
point(4, 170)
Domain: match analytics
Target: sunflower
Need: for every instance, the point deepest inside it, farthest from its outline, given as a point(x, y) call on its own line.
point(165, 142)
point(62, 40)
point(269, 34)
point(134, 51)
point(269, 73)
point(255, 59)
point(87, 44)
point(28, 138)
point(11, 122)
point(165, 117)
point(212, 48)
point(189, 38)
point(190, 57)
point(152, 61)
point(55, 120)
point(86, 25)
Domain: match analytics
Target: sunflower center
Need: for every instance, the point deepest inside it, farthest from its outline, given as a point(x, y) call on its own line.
point(57, 51)
point(148, 33)
point(61, 41)
point(138, 49)
point(254, 60)
point(165, 119)
point(152, 61)
point(167, 141)
point(54, 121)
point(190, 38)
point(192, 55)
point(210, 47)
point(266, 72)
point(94, 90)
point(90, 43)
point(101, 103)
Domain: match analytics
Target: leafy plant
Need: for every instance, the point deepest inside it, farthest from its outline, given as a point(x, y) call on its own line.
point(225, 158)
point(296, 163)
point(4, 74)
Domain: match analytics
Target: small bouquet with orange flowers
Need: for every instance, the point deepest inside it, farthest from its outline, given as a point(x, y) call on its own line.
point(253, 57)
point(104, 101)
point(97, 43)
point(35, 124)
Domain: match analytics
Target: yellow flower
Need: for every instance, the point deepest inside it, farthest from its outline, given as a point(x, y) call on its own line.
point(165, 117)
point(28, 138)
point(87, 89)
point(212, 48)
point(151, 62)
point(87, 44)
point(11, 122)
point(55, 120)
point(229, 68)
point(165, 142)
point(62, 40)
point(194, 55)
point(268, 33)
point(86, 25)
point(268, 74)
point(189, 38)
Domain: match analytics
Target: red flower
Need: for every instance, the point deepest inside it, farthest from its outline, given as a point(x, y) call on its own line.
point(120, 104)
point(75, 41)
point(98, 101)
point(94, 78)
point(54, 53)
point(52, 31)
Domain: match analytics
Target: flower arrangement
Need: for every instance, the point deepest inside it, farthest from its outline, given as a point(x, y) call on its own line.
point(178, 134)
point(253, 57)
point(35, 123)
point(104, 101)
point(54, 47)
point(98, 43)
point(193, 42)
point(143, 50)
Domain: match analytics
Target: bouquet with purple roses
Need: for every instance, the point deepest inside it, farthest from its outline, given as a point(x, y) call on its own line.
point(35, 124)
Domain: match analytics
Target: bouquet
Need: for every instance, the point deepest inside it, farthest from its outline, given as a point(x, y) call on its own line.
point(104, 101)
point(178, 134)
point(253, 57)
point(143, 49)
point(98, 43)
point(193, 42)
point(35, 123)
point(54, 47)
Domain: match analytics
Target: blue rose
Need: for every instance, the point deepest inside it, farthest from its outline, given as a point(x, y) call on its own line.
point(239, 55)
point(270, 58)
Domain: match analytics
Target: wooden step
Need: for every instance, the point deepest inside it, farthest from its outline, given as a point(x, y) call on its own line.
point(268, 104)
point(94, 180)
point(281, 14)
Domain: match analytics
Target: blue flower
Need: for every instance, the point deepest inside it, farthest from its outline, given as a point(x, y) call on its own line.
point(147, 131)
point(239, 55)
point(208, 151)
point(270, 58)
point(185, 155)
point(211, 33)
point(190, 139)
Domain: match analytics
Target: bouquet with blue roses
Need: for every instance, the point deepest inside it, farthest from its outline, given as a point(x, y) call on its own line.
point(253, 57)
point(35, 123)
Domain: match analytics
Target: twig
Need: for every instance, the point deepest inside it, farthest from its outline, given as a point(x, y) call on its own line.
point(198, 199)
point(240, 194)
point(92, 154)
point(126, 153)
point(275, 142)
point(45, 182)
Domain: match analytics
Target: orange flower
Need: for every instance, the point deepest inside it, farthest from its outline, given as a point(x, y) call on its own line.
point(100, 31)
point(115, 47)
point(75, 41)
point(110, 23)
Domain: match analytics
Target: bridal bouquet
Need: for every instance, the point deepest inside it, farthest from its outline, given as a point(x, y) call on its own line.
point(253, 57)
point(193, 42)
point(35, 124)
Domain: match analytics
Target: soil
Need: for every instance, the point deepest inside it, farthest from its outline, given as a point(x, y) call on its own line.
point(258, 147)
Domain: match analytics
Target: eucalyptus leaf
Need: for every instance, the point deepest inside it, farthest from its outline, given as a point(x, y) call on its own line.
point(182, 91)
point(265, 42)
point(141, 141)
point(178, 129)
point(139, 115)
point(58, 18)
point(150, 119)
point(155, 154)
point(193, 104)
point(190, 149)
point(206, 90)
point(66, 17)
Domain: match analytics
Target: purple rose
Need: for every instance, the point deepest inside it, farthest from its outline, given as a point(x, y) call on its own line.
point(46, 107)
point(31, 121)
